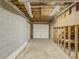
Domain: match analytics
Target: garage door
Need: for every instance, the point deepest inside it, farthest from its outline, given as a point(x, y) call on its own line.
point(41, 31)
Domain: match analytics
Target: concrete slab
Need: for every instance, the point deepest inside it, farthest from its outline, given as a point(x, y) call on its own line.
point(42, 49)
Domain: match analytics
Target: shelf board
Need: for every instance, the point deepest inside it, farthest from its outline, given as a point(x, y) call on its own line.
point(72, 41)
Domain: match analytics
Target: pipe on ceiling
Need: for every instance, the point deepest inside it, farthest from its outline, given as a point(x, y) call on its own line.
point(27, 6)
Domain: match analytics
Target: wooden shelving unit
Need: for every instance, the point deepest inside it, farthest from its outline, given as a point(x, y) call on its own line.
point(68, 40)
point(67, 30)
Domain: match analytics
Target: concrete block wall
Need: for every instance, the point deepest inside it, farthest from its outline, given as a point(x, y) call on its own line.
point(14, 32)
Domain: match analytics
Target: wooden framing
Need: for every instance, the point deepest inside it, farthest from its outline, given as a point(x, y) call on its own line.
point(49, 32)
point(37, 10)
point(55, 36)
point(77, 6)
point(58, 37)
point(68, 8)
point(69, 41)
point(76, 42)
point(71, 32)
point(64, 38)
point(31, 31)
point(61, 40)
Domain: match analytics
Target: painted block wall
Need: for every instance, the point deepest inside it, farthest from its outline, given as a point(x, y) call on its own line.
point(14, 31)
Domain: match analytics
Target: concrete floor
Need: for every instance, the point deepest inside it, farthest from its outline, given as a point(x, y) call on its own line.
point(42, 49)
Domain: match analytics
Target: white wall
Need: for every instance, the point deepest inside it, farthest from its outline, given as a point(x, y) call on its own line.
point(13, 32)
point(41, 31)
point(28, 31)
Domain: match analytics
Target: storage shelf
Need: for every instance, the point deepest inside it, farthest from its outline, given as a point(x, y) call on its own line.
point(68, 40)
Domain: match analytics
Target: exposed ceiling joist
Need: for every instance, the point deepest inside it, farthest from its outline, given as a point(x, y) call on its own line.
point(40, 9)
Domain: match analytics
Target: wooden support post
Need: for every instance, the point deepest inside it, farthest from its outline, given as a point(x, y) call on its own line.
point(64, 38)
point(31, 31)
point(61, 38)
point(54, 36)
point(61, 41)
point(49, 32)
point(55, 39)
point(69, 41)
point(58, 36)
point(76, 42)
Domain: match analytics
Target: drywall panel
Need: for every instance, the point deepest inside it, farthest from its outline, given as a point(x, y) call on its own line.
point(13, 32)
point(41, 31)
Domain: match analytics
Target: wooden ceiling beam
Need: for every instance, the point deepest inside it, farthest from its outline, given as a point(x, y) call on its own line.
point(42, 6)
point(39, 11)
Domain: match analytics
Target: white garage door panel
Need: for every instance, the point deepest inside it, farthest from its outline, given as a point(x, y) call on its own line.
point(41, 31)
